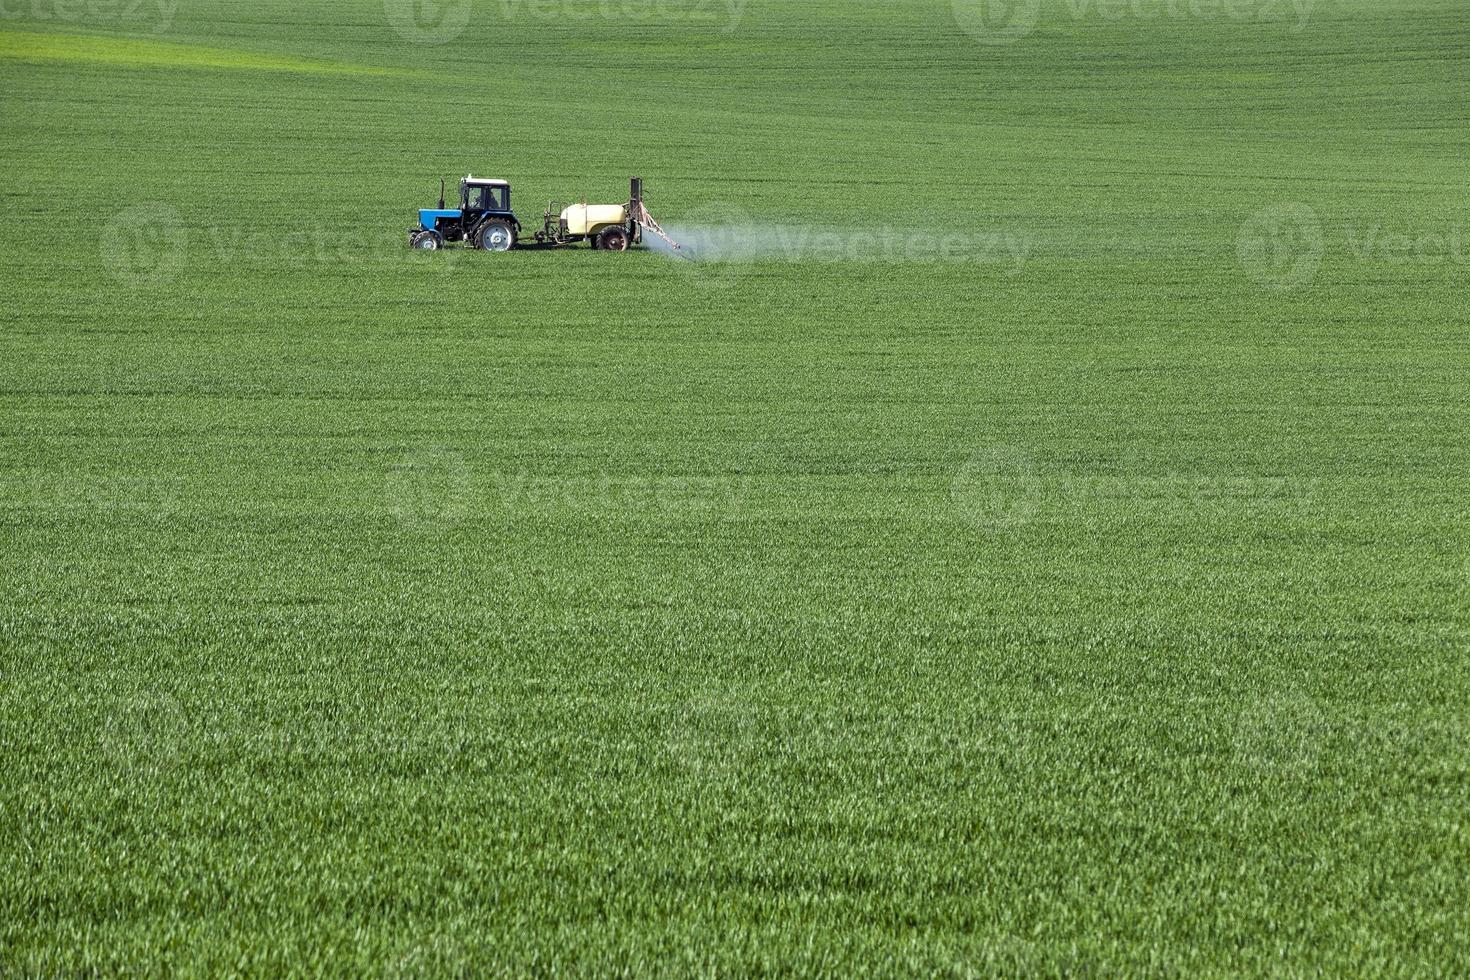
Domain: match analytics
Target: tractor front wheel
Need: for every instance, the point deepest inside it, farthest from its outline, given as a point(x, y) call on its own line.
point(495, 236)
point(613, 239)
point(427, 240)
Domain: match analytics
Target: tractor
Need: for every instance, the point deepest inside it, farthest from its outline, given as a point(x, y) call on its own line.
point(484, 220)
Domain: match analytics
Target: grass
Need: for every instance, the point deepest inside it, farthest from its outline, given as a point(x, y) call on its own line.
point(803, 611)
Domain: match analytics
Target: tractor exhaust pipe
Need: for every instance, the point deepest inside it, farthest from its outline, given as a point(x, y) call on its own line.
point(441, 193)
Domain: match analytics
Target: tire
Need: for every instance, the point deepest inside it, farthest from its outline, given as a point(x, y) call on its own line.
point(495, 236)
point(614, 239)
point(426, 240)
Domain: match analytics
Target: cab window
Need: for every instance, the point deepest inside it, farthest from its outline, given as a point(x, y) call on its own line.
point(487, 198)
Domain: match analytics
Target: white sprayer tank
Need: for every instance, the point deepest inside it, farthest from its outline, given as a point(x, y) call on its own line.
point(588, 219)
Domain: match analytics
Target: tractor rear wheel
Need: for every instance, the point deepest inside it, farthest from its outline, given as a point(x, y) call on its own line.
point(613, 239)
point(426, 240)
point(495, 236)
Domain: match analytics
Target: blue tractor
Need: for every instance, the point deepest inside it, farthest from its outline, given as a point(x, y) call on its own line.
point(482, 220)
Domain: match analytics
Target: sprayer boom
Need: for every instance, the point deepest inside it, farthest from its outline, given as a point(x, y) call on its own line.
point(641, 220)
point(646, 222)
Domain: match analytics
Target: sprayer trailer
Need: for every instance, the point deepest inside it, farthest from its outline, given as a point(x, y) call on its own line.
point(484, 220)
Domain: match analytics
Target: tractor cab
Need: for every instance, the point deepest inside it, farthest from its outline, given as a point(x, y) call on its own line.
point(482, 220)
point(480, 195)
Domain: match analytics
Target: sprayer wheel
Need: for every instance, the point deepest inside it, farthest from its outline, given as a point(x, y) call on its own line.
point(613, 239)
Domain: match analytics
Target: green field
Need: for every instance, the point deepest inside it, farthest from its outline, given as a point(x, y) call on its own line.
point(1032, 538)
